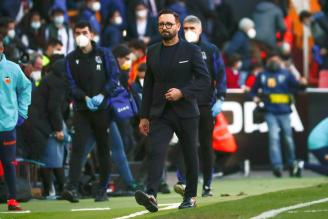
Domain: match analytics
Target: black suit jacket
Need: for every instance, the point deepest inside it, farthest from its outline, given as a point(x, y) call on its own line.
point(188, 73)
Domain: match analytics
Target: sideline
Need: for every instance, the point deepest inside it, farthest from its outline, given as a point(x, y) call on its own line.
point(139, 213)
point(275, 212)
point(90, 209)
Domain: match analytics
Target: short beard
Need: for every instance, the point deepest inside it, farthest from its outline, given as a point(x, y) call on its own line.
point(168, 37)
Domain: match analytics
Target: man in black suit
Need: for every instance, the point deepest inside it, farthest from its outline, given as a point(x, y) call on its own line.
point(176, 74)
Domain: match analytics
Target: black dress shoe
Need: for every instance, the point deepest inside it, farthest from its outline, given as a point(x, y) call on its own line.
point(70, 195)
point(148, 201)
point(188, 203)
point(101, 195)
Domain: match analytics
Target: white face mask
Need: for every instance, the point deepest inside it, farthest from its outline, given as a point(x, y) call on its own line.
point(239, 65)
point(133, 57)
point(141, 80)
point(59, 20)
point(82, 41)
point(118, 20)
point(58, 52)
point(96, 39)
point(95, 6)
point(251, 33)
point(191, 36)
point(36, 25)
point(35, 75)
point(11, 33)
point(142, 13)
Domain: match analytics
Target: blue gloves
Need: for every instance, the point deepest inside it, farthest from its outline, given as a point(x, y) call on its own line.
point(98, 99)
point(20, 121)
point(90, 104)
point(217, 107)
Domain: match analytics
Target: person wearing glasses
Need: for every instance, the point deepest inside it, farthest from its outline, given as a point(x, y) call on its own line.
point(176, 73)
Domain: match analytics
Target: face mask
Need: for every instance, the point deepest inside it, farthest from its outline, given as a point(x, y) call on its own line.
point(133, 57)
point(36, 75)
point(273, 66)
point(191, 36)
point(251, 33)
point(36, 25)
point(59, 20)
point(141, 80)
point(82, 41)
point(126, 65)
point(118, 20)
point(239, 65)
point(95, 6)
point(142, 13)
point(96, 39)
point(11, 33)
point(58, 52)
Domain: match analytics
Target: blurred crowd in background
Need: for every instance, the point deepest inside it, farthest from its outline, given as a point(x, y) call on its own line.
point(38, 32)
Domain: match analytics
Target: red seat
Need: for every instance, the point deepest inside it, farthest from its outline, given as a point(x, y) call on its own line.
point(323, 79)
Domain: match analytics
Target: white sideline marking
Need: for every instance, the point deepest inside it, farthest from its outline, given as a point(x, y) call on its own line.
point(91, 209)
point(15, 212)
point(275, 212)
point(308, 211)
point(139, 213)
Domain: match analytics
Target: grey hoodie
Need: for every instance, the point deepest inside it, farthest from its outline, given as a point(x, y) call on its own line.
point(268, 19)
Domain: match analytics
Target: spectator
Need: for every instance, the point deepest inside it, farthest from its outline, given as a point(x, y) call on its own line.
point(54, 47)
point(240, 42)
point(35, 69)
point(269, 20)
point(256, 68)
point(113, 33)
point(277, 86)
point(178, 6)
point(318, 23)
point(60, 30)
point(108, 6)
point(138, 49)
point(137, 86)
point(46, 124)
point(123, 56)
point(233, 71)
point(88, 13)
point(142, 26)
point(14, 49)
point(33, 36)
point(287, 61)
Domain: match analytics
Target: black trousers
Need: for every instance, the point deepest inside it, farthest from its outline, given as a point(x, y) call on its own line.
point(87, 123)
point(206, 155)
point(161, 132)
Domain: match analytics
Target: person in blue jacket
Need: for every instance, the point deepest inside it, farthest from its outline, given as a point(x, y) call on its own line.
point(15, 97)
point(89, 14)
point(277, 87)
point(209, 102)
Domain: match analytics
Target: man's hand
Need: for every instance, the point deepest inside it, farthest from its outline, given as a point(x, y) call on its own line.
point(303, 81)
point(144, 126)
point(217, 107)
point(20, 121)
point(59, 135)
point(173, 94)
point(98, 99)
point(90, 104)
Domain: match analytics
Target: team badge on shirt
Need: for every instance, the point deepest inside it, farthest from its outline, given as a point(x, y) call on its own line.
point(204, 55)
point(98, 59)
point(7, 80)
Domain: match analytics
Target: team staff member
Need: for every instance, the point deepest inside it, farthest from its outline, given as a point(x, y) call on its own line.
point(92, 73)
point(15, 97)
point(175, 74)
point(214, 94)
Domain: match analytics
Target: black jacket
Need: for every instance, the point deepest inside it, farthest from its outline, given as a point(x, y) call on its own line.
point(188, 73)
point(50, 100)
point(85, 83)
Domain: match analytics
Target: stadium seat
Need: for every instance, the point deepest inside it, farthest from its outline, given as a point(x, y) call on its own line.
point(323, 79)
